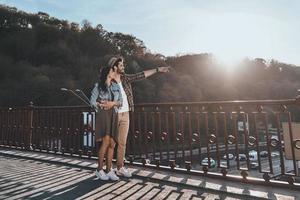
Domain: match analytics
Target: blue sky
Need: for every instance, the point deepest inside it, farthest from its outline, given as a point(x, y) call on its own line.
point(230, 29)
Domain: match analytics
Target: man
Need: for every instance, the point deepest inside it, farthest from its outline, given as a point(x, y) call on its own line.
point(124, 81)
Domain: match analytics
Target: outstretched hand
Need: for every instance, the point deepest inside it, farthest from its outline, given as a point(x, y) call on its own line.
point(164, 69)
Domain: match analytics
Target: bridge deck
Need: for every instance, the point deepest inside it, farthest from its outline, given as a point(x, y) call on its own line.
point(35, 175)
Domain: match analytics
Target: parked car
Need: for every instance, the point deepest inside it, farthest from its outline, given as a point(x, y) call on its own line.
point(254, 165)
point(223, 164)
point(252, 155)
point(263, 154)
point(241, 157)
point(274, 154)
point(230, 156)
point(204, 162)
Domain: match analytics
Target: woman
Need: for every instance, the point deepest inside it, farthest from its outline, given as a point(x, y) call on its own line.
point(106, 90)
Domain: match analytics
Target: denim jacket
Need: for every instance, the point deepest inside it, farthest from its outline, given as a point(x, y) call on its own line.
point(112, 94)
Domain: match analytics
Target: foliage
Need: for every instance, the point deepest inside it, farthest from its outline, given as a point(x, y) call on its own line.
point(40, 54)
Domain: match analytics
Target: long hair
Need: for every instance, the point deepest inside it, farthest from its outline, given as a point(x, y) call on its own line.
point(102, 78)
point(105, 71)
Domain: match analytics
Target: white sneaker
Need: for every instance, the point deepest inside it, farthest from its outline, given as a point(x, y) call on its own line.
point(112, 176)
point(123, 172)
point(101, 175)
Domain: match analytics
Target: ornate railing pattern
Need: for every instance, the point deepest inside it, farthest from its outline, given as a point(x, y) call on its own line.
point(203, 135)
point(224, 138)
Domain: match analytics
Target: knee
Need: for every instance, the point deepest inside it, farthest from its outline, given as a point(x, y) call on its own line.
point(105, 142)
point(104, 145)
point(112, 144)
point(122, 141)
point(122, 145)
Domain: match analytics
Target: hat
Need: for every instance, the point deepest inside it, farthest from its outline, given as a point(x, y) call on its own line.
point(112, 61)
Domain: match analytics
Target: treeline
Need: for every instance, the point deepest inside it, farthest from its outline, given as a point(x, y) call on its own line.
point(40, 54)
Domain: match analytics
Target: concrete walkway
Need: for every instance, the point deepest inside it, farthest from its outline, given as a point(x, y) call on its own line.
point(32, 175)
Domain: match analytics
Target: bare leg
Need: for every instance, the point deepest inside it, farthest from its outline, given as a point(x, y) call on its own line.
point(102, 151)
point(110, 154)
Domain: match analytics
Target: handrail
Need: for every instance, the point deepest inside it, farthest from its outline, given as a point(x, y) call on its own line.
point(229, 103)
point(180, 138)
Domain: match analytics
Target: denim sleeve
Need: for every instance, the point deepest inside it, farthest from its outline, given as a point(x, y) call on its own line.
point(94, 96)
point(117, 94)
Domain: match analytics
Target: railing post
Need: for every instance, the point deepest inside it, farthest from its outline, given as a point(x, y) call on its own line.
point(28, 133)
point(297, 170)
point(298, 96)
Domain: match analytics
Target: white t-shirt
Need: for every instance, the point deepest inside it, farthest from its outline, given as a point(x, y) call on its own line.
point(125, 105)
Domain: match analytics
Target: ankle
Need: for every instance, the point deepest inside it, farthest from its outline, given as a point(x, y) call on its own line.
point(119, 167)
point(99, 169)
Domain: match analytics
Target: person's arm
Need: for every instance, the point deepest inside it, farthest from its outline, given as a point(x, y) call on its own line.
point(145, 74)
point(106, 105)
point(119, 100)
point(94, 96)
point(135, 77)
point(150, 72)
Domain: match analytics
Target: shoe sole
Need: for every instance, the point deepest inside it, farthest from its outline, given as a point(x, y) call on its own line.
point(119, 174)
point(114, 180)
point(98, 177)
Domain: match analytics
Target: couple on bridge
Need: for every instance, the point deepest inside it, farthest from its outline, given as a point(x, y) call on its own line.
point(112, 98)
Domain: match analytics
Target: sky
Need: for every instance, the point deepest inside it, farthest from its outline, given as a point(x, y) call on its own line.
point(229, 29)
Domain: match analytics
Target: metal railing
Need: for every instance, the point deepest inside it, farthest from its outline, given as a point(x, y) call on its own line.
point(227, 139)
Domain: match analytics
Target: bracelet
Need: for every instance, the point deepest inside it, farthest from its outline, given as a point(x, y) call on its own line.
point(157, 69)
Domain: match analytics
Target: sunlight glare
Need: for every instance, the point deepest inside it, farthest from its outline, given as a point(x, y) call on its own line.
point(229, 63)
